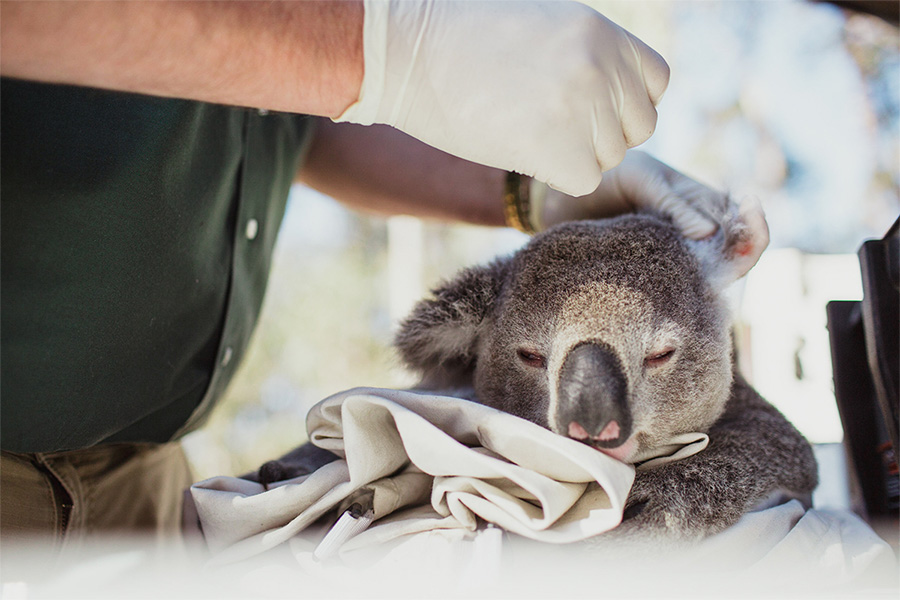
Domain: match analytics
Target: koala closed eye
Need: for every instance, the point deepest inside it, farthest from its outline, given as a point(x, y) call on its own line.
point(658, 359)
point(532, 358)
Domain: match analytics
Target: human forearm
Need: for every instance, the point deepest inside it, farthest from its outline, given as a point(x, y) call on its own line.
point(382, 170)
point(303, 57)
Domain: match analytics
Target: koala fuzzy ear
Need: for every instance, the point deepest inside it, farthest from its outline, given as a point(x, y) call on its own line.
point(439, 338)
point(736, 246)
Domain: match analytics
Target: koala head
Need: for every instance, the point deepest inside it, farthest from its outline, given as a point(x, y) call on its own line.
point(612, 332)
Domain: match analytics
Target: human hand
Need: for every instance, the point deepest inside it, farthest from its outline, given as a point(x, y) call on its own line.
point(640, 181)
point(643, 182)
point(553, 90)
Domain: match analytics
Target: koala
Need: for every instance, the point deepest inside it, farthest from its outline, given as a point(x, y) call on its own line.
point(615, 333)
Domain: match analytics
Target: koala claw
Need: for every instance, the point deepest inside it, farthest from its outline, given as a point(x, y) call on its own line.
point(275, 470)
point(633, 509)
point(302, 460)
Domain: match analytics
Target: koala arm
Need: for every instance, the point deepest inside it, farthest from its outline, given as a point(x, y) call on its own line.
point(753, 452)
point(302, 460)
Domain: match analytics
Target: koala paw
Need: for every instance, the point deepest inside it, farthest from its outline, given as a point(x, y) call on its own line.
point(650, 512)
point(679, 502)
point(277, 470)
point(303, 460)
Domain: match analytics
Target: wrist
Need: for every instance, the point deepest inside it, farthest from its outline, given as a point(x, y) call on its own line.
point(523, 203)
point(560, 208)
point(517, 203)
point(341, 61)
point(363, 109)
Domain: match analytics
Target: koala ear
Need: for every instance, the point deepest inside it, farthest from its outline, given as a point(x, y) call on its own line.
point(439, 338)
point(736, 246)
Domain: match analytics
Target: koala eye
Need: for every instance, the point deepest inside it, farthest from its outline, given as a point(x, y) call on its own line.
point(659, 358)
point(532, 359)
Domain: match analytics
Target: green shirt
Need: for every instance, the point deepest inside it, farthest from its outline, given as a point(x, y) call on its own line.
point(137, 235)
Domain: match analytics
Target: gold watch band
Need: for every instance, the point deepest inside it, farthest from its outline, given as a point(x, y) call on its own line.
point(517, 203)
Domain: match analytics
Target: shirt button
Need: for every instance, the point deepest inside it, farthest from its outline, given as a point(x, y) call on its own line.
point(252, 229)
point(226, 356)
point(262, 112)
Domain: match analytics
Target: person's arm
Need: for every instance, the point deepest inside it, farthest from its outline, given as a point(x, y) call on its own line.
point(303, 57)
point(552, 90)
point(382, 170)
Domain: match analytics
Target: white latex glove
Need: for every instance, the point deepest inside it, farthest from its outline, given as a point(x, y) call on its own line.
point(553, 90)
point(640, 181)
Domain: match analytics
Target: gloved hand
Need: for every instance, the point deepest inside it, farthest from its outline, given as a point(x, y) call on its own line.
point(553, 90)
point(641, 181)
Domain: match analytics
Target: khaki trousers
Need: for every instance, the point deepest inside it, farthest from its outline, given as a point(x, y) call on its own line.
point(64, 498)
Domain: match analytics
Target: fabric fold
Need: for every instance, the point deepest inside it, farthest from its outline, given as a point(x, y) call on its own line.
point(408, 450)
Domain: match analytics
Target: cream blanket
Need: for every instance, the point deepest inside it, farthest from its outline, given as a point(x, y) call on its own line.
point(422, 463)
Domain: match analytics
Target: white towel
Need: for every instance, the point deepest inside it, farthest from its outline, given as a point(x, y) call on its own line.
point(447, 462)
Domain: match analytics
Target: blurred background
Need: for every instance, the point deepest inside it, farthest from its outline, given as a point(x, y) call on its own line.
point(794, 102)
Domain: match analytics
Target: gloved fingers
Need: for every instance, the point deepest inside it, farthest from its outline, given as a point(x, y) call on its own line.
point(579, 173)
point(687, 209)
point(700, 212)
point(653, 67)
point(641, 89)
point(609, 138)
point(626, 115)
point(644, 182)
point(697, 209)
point(638, 121)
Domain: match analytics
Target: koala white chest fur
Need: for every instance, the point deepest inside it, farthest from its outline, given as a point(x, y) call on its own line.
point(615, 333)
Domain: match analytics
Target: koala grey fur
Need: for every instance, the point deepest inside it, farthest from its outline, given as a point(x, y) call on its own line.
point(615, 332)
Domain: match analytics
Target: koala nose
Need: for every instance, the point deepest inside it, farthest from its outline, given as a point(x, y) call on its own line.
point(593, 396)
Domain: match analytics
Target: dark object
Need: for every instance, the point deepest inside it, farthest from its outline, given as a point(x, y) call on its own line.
point(888, 10)
point(865, 350)
point(302, 460)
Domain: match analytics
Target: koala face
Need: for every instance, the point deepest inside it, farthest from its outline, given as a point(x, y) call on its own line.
point(607, 332)
point(611, 332)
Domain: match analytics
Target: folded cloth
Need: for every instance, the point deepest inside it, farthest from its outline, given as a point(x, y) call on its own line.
point(449, 461)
